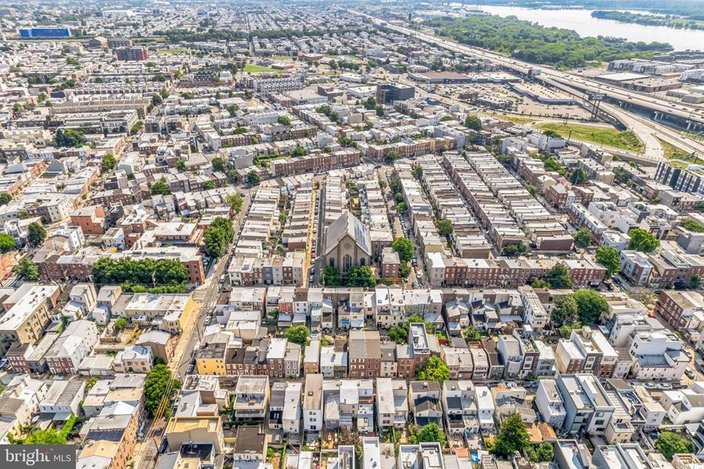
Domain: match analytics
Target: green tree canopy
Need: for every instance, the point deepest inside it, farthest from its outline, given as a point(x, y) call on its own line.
point(160, 187)
point(50, 436)
point(434, 370)
point(108, 162)
point(471, 333)
point(473, 122)
point(430, 433)
point(5, 198)
point(7, 243)
point(36, 234)
point(252, 178)
point(27, 270)
point(159, 385)
point(121, 324)
point(559, 276)
point(218, 236)
point(297, 334)
point(670, 443)
point(218, 164)
point(444, 227)
point(235, 202)
point(70, 138)
point(582, 238)
point(404, 248)
point(564, 311)
point(151, 272)
point(610, 258)
point(590, 305)
point(642, 240)
point(513, 436)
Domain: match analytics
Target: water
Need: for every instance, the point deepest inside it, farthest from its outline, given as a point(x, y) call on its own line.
point(583, 24)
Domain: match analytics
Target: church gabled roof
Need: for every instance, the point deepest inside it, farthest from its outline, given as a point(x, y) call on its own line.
point(348, 225)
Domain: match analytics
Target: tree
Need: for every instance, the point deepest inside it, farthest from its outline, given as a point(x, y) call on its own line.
point(404, 248)
point(361, 276)
point(513, 436)
point(544, 452)
point(252, 178)
point(430, 433)
point(218, 164)
point(379, 108)
point(514, 249)
point(161, 187)
point(159, 385)
point(208, 185)
point(642, 240)
point(217, 237)
point(27, 270)
point(610, 258)
point(418, 172)
point(235, 202)
point(564, 311)
point(151, 272)
point(540, 283)
point(398, 334)
point(136, 127)
point(670, 443)
point(582, 238)
point(434, 370)
point(232, 109)
point(50, 436)
point(157, 99)
point(404, 270)
point(471, 333)
point(70, 138)
point(695, 281)
point(284, 120)
point(181, 164)
point(121, 324)
point(590, 305)
point(331, 277)
point(108, 163)
point(578, 176)
point(298, 151)
point(7, 243)
point(473, 122)
point(370, 103)
point(297, 335)
point(36, 234)
point(5, 198)
point(559, 276)
point(444, 227)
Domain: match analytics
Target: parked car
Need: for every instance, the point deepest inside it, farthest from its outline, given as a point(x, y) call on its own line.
point(690, 373)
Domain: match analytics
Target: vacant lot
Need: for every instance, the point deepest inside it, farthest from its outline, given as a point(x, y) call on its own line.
point(249, 68)
point(609, 137)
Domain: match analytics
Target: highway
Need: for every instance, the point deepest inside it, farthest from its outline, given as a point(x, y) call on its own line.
point(575, 81)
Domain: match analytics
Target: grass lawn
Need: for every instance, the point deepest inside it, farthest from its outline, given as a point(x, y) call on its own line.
point(514, 119)
point(249, 68)
point(672, 152)
point(172, 51)
point(609, 137)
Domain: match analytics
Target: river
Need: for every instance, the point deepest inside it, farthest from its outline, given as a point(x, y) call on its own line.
point(583, 24)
